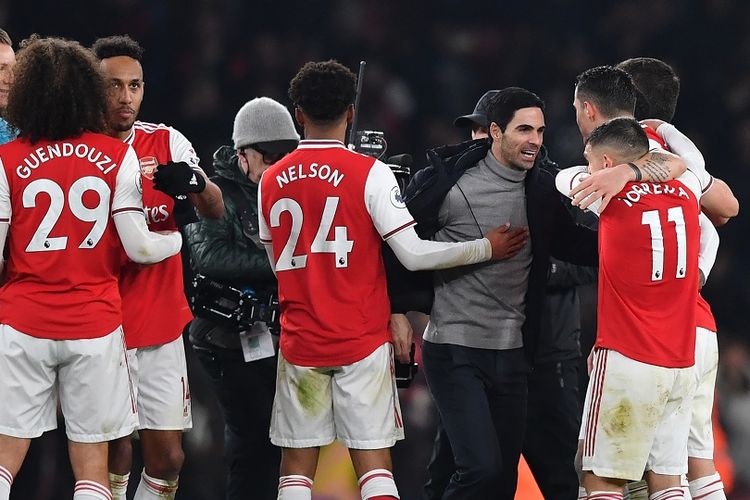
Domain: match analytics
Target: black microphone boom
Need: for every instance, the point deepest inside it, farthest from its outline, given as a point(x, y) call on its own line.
point(360, 81)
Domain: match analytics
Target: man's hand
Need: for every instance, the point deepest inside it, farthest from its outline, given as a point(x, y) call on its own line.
point(183, 212)
point(402, 336)
point(603, 184)
point(506, 242)
point(177, 179)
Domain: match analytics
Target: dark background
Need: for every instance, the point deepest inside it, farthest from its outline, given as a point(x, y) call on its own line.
point(429, 62)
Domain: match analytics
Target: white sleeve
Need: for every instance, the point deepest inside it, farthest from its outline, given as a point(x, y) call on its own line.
point(682, 146)
point(264, 232)
point(128, 195)
point(709, 246)
point(417, 254)
point(691, 181)
point(181, 149)
point(5, 206)
point(142, 246)
point(568, 178)
point(5, 212)
point(383, 201)
point(396, 226)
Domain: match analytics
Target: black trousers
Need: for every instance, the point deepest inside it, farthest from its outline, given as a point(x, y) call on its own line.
point(552, 423)
point(246, 392)
point(481, 397)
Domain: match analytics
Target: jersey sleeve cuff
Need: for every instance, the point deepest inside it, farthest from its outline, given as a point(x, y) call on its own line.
point(123, 210)
point(399, 229)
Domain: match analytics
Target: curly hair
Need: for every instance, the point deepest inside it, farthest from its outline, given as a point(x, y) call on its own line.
point(118, 45)
point(58, 91)
point(323, 90)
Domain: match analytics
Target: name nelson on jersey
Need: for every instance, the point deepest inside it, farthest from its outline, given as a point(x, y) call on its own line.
point(312, 171)
point(42, 155)
point(637, 191)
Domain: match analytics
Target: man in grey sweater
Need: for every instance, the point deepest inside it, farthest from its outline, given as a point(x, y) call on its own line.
point(484, 315)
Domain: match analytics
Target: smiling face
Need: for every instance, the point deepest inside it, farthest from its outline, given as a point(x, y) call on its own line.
point(519, 145)
point(7, 62)
point(124, 79)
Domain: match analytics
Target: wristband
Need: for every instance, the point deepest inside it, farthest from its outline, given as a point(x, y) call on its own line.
point(638, 175)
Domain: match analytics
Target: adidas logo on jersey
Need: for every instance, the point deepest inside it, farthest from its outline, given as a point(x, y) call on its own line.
point(193, 181)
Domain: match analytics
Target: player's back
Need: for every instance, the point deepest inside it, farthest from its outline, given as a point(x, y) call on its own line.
point(327, 251)
point(63, 246)
point(648, 275)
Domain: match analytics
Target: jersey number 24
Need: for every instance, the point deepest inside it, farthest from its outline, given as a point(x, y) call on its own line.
point(340, 246)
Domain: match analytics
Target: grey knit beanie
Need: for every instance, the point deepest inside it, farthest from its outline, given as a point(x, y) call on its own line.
point(266, 122)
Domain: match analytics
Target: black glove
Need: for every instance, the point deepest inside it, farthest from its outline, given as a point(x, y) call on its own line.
point(177, 179)
point(184, 213)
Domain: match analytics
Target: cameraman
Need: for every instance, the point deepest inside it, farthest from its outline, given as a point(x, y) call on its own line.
point(226, 250)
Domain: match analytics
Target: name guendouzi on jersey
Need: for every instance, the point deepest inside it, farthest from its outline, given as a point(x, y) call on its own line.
point(59, 198)
point(43, 154)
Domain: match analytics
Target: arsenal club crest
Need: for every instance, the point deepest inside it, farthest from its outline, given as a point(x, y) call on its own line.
point(148, 166)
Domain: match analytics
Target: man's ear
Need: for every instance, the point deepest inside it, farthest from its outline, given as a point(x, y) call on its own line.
point(299, 116)
point(495, 132)
point(590, 110)
point(349, 114)
point(609, 161)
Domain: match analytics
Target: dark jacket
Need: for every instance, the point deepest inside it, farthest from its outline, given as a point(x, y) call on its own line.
point(553, 232)
point(228, 250)
point(560, 334)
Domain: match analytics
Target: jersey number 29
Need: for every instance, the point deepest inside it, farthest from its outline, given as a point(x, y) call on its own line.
point(99, 215)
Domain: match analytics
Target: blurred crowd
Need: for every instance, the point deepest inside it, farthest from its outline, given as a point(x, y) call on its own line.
point(428, 62)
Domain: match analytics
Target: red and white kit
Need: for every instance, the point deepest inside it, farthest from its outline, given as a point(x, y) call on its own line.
point(155, 309)
point(60, 311)
point(324, 211)
point(640, 394)
point(700, 441)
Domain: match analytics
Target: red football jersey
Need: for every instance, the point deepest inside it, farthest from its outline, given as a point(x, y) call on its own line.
point(704, 315)
point(654, 139)
point(324, 209)
point(648, 272)
point(64, 251)
point(154, 306)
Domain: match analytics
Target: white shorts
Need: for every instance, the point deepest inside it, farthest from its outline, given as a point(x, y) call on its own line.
point(701, 439)
point(636, 417)
point(161, 382)
point(357, 403)
point(89, 377)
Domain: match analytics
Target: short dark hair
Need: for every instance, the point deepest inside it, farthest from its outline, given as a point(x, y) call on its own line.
point(117, 45)
point(323, 90)
point(58, 90)
point(624, 135)
point(610, 88)
point(5, 38)
point(506, 102)
point(658, 87)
